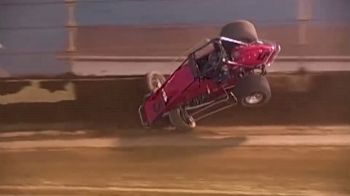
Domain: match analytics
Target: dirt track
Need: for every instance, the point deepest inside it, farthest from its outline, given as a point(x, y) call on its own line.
point(178, 171)
point(183, 166)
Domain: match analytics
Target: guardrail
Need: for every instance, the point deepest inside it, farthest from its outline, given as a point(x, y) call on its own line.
point(140, 65)
point(181, 58)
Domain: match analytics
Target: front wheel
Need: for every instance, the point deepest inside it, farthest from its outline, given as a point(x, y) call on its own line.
point(182, 121)
point(154, 81)
point(252, 90)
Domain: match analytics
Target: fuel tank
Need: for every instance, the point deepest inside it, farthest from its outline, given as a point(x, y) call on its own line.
point(254, 54)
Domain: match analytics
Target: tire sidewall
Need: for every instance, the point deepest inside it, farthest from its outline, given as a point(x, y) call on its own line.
point(242, 30)
point(250, 84)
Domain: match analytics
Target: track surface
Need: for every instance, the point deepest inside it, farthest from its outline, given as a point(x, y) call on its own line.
point(220, 161)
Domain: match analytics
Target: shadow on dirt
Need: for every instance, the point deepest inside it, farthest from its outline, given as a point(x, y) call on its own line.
point(188, 146)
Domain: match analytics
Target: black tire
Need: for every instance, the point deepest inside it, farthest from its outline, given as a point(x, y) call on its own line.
point(182, 122)
point(252, 90)
point(153, 80)
point(242, 30)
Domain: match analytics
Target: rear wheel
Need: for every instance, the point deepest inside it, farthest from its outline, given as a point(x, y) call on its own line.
point(252, 90)
point(242, 30)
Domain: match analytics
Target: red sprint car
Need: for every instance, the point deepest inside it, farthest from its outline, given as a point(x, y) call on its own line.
point(223, 72)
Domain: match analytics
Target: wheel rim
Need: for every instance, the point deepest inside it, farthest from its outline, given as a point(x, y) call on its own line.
point(156, 83)
point(191, 122)
point(254, 98)
point(187, 118)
